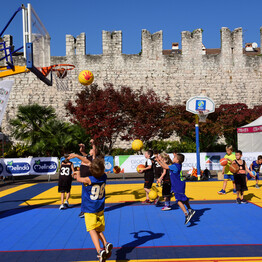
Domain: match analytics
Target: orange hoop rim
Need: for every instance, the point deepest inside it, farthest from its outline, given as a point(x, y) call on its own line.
point(71, 67)
point(46, 70)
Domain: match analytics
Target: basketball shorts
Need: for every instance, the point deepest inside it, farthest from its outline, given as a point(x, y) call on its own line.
point(249, 177)
point(166, 190)
point(229, 177)
point(149, 179)
point(64, 188)
point(240, 181)
point(181, 197)
point(95, 221)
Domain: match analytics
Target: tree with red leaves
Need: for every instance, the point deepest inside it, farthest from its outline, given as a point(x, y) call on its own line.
point(109, 114)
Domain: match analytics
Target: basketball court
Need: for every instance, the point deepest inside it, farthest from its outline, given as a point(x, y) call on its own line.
point(34, 229)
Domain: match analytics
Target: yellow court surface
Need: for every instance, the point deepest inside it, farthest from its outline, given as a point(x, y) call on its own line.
point(14, 189)
point(115, 193)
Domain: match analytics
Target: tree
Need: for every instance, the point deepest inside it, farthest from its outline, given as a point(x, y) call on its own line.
point(43, 134)
point(109, 113)
point(29, 121)
point(58, 138)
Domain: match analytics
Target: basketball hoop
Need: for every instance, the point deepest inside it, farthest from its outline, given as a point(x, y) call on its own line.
point(62, 75)
point(202, 115)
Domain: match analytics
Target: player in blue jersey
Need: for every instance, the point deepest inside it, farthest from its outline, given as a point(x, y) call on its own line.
point(178, 184)
point(255, 166)
point(93, 203)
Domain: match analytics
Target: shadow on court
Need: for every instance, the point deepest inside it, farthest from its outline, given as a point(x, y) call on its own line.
point(196, 218)
point(121, 254)
point(14, 211)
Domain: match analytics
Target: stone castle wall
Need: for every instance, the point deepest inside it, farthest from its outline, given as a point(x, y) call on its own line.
point(229, 76)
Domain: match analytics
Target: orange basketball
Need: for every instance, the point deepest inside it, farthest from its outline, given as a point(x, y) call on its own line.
point(139, 167)
point(223, 161)
point(234, 168)
point(116, 169)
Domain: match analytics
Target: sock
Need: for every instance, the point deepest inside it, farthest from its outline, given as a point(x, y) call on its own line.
point(166, 203)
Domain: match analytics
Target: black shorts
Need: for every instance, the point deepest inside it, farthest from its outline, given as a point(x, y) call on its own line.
point(64, 189)
point(157, 171)
point(149, 179)
point(240, 181)
point(166, 189)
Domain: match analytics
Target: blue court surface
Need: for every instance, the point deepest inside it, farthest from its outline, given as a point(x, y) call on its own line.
point(219, 230)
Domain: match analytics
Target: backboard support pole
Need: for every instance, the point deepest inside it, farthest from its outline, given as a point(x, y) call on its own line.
point(32, 68)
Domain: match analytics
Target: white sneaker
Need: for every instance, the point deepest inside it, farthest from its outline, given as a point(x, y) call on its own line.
point(66, 204)
point(62, 207)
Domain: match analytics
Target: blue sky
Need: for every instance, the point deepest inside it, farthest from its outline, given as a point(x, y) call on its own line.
point(131, 16)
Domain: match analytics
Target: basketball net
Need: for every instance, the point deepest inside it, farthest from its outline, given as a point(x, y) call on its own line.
point(62, 75)
point(202, 116)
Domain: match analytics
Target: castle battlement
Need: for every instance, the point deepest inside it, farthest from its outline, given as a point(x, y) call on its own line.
point(230, 74)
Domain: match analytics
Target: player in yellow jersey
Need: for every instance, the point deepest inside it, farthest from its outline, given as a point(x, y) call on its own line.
point(226, 172)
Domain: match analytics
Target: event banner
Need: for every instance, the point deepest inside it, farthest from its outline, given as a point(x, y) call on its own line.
point(28, 166)
point(210, 161)
point(5, 90)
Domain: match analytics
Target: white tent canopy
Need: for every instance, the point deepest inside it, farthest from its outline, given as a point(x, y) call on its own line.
point(249, 137)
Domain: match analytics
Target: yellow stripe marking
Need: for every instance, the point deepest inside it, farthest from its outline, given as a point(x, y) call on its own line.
point(115, 193)
point(14, 189)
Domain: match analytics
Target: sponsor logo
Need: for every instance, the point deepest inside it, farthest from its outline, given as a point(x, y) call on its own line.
point(44, 166)
point(17, 168)
point(108, 165)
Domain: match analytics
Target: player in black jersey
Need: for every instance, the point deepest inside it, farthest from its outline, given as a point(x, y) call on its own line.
point(65, 181)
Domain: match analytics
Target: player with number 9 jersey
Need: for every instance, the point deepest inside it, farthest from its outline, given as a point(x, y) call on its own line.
point(93, 195)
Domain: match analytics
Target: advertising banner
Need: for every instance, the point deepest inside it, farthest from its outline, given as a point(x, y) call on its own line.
point(207, 160)
point(109, 164)
point(44, 166)
point(5, 90)
point(28, 166)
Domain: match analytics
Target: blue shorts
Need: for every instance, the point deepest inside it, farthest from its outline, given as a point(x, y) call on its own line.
point(250, 177)
point(229, 177)
point(181, 197)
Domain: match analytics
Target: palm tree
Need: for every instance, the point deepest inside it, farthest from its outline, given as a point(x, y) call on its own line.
point(28, 124)
point(38, 127)
point(58, 138)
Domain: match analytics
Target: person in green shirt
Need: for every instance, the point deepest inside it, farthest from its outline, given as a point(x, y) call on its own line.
point(230, 156)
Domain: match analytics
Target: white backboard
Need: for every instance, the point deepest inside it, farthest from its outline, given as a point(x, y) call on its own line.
point(200, 103)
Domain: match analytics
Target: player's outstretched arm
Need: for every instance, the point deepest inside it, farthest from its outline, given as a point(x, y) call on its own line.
point(82, 158)
point(82, 149)
point(161, 163)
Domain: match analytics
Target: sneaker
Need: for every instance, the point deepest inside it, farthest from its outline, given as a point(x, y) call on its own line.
point(165, 208)
point(102, 256)
point(187, 219)
point(82, 214)
point(191, 213)
point(62, 207)
point(146, 202)
point(108, 249)
point(243, 201)
point(221, 192)
point(257, 186)
point(238, 201)
point(66, 204)
point(234, 191)
point(156, 200)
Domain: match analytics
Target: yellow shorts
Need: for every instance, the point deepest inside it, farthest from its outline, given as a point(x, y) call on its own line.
point(95, 221)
